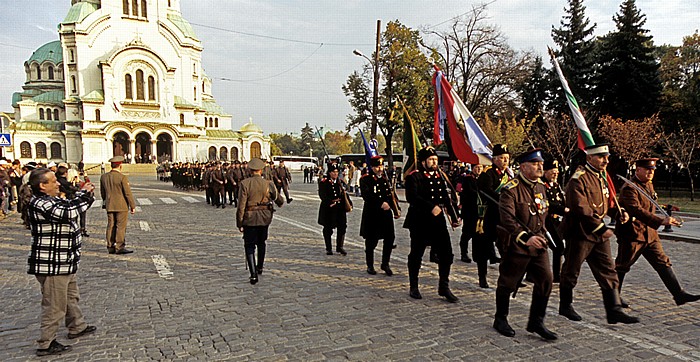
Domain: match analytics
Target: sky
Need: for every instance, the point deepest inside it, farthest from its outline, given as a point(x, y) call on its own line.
point(282, 63)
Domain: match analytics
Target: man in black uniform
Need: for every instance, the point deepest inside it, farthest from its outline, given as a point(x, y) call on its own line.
point(523, 245)
point(427, 196)
point(472, 209)
point(557, 210)
point(377, 222)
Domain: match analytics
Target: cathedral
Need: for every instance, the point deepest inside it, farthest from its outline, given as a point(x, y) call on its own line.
point(125, 79)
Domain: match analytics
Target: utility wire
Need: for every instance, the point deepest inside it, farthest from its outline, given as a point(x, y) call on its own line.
point(275, 75)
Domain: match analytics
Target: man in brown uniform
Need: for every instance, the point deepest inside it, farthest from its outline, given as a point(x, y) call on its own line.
point(118, 201)
point(588, 238)
point(218, 184)
point(523, 245)
point(282, 178)
point(639, 237)
point(254, 215)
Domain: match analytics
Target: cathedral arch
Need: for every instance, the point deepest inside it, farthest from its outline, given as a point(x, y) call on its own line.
point(41, 150)
point(56, 151)
point(25, 150)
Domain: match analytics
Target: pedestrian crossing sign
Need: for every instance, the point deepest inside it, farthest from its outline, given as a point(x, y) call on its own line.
point(5, 140)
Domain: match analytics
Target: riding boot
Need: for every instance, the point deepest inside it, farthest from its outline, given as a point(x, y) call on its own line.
point(329, 243)
point(566, 298)
point(671, 282)
point(500, 322)
point(340, 241)
point(386, 256)
point(613, 310)
point(369, 257)
point(261, 258)
point(444, 283)
point(556, 267)
point(482, 269)
point(250, 259)
point(535, 323)
point(621, 278)
point(413, 281)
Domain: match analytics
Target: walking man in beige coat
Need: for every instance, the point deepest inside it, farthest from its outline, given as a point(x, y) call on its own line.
point(118, 201)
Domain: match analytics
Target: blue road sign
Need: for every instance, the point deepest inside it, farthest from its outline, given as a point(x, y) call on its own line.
point(5, 140)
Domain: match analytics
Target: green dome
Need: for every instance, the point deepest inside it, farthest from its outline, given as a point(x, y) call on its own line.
point(250, 127)
point(52, 52)
point(78, 12)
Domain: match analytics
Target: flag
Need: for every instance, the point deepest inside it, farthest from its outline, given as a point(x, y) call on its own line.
point(585, 138)
point(455, 124)
point(411, 144)
point(370, 148)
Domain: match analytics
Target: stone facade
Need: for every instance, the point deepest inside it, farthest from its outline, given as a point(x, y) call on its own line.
point(125, 78)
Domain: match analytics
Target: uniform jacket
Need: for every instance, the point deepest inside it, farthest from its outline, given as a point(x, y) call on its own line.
point(218, 179)
point(424, 191)
point(522, 202)
point(587, 199)
point(331, 212)
point(491, 183)
point(255, 198)
point(469, 197)
point(238, 174)
point(283, 175)
point(116, 192)
point(376, 223)
point(557, 209)
point(644, 222)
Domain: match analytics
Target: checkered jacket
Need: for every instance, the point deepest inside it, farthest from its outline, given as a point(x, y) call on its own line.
point(56, 237)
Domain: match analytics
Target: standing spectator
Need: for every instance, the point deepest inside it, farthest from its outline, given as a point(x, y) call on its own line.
point(81, 166)
point(356, 175)
point(118, 201)
point(54, 258)
point(5, 184)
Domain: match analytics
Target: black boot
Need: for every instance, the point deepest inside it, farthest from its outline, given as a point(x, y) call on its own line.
point(535, 323)
point(444, 283)
point(386, 256)
point(329, 243)
point(621, 278)
point(413, 281)
point(500, 322)
point(556, 267)
point(613, 310)
point(482, 269)
point(566, 297)
point(261, 258)
point(671, 282)
point(250, 258)
point(369, 256)
point(340, 241)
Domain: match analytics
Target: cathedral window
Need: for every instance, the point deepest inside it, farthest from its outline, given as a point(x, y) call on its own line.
point(50, 72)
point(98, 116)
point(128, 85)
point(73, 84)
point(139, 85)
point(195, 94)
point(48, 114)
point(72, 56)
point(216, 122)
point(135, 8)
point(55, 114)
point(38, 72)
point(56, 151)
point(41, 114)
point(182, 119)
point(144, 12)
point(41, 150)
point(151, 88)
point(25, 150)
point(203, 91)
point(125, 5)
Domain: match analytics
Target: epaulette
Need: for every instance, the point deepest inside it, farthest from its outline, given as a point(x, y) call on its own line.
point(510, 184)
point(486, 168)
point(580, 171)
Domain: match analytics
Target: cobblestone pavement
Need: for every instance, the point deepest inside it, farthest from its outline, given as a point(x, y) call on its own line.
point(184, 295)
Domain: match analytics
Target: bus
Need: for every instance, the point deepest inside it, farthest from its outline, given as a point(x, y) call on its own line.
point(297, 163)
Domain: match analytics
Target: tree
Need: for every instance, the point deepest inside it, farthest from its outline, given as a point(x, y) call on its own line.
point(557, 135)
point(627, 84)
point(632, 139)
point(576, 44)
point(681, 145)
point(510, 131)
point(284, 144)
point(357, 89)
point(482, 67)
point(534, 91)
point(308, 140)
point(357, 146)
point(338, 142)
point(680, 75)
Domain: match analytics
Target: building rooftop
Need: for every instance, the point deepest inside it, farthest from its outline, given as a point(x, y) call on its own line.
point(79, 11)
point(52, 52)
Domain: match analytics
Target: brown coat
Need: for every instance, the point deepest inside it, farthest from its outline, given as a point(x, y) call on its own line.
point(644, 222)
point(523, 202)
point(116, 192)
point(587, 200)
point(255, 197)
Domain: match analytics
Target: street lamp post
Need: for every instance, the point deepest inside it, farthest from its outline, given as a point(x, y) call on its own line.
point(375, 92)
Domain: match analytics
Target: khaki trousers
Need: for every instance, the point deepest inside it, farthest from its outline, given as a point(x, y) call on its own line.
point(116, 229)
point(59, 300)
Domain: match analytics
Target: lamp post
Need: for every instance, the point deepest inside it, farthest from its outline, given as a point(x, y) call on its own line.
point(375, 92)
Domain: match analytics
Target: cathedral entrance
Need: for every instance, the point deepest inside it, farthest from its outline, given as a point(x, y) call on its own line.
point(143, 148)
point(164, 147)
point(120, 144)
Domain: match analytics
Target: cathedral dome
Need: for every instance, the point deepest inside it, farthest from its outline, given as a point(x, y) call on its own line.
point(52, 52)
point(251, 127)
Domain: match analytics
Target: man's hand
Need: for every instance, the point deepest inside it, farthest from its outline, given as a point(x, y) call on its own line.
point(133, 210)
point(385, 206)
point(436, 211)
point(624, 217)
point(88, 186)
point(671, 221)
point(537, 242)
point(607, 234)
point(240, 229)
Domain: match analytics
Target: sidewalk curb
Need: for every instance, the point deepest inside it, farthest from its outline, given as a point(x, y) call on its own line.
point(683, 238)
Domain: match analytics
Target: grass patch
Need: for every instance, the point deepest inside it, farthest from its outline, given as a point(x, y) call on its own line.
point(680, 199)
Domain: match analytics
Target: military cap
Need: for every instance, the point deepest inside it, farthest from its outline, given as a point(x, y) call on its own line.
point(31, 165)
point(500, 149)
point(376, 161)
point(649, 163)
point(256, 164)
point(599, 149)
point(116, 159)
point(531, 155)
point(425, 153)
point(236, 162)
point(550, 164)
point(333, 167)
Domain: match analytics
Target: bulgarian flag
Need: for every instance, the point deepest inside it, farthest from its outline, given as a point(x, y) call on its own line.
point(456, 125)
point(585, 138)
